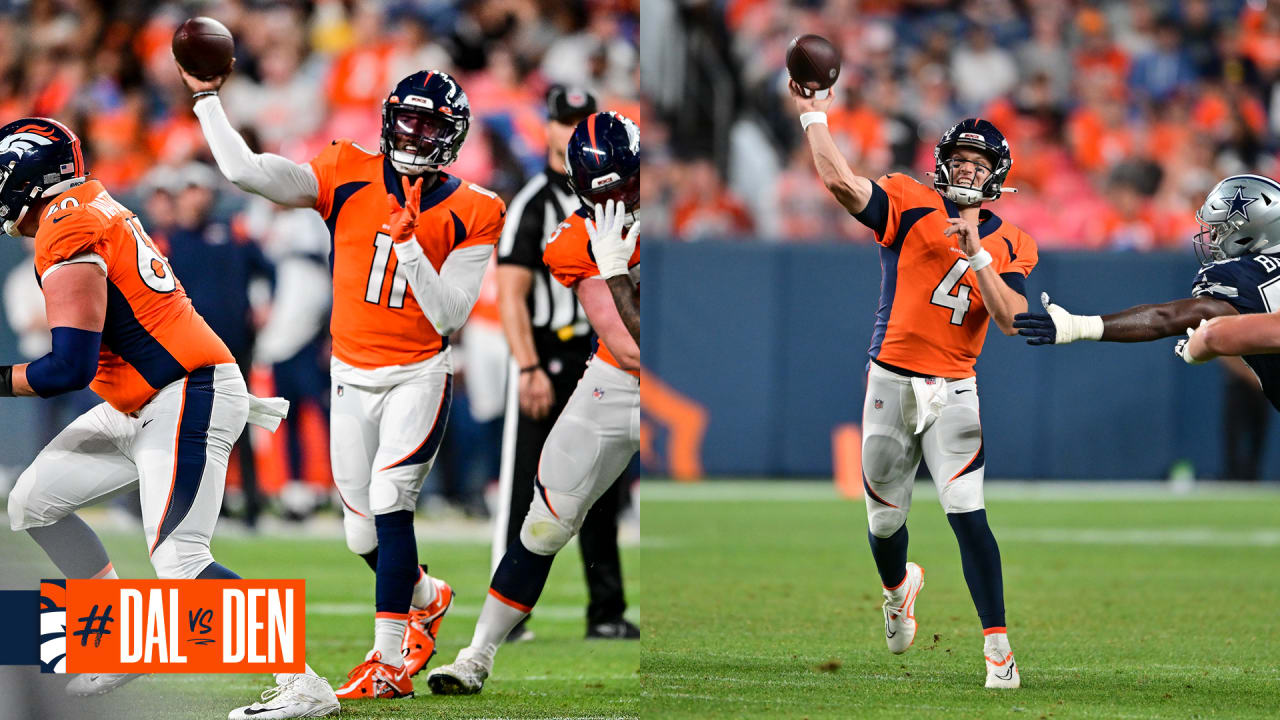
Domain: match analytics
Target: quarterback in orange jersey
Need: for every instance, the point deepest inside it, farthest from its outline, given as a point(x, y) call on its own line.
point(410, 244)
point(947, 266)
point(598, 432)
point(122, 325)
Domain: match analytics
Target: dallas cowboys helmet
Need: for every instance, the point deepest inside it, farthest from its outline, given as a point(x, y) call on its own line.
point(982, 136)
point(424, 121)
point(1241, 215)
point(39, 157)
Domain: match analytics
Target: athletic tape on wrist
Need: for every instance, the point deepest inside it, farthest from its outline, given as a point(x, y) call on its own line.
point(980, 260)
point(809, 118)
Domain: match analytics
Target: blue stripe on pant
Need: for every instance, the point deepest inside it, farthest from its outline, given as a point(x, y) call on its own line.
point(190, 451)
point(427, 450)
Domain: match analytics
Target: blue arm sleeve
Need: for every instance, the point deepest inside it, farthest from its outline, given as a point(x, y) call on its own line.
point(71, 364)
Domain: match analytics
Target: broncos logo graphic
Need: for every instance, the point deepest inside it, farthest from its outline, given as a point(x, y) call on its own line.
point(53, 626)
point(22, 141)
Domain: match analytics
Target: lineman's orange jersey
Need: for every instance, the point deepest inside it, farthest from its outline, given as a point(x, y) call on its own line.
point(152, 335)
point(569, 258)
point(931, 319)
point(376, 321)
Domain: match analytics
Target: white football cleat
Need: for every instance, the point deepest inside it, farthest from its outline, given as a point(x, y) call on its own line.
point(900, 610)
point(465, 676)
point(296, 695)
point(1002, 669)
point(86, 684)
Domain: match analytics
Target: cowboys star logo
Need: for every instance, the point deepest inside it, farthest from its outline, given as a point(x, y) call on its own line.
point(1239, 205)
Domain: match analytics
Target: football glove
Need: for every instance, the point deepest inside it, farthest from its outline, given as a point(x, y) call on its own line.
point(612, 250)
point(1056, 326)
point(1183, 347)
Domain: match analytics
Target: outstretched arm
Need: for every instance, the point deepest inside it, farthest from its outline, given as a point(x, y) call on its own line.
point(1140, 323)
point(1240, 335)
point(276, 178)
point(849, 189)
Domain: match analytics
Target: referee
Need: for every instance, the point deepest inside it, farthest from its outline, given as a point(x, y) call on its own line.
point(550, 342)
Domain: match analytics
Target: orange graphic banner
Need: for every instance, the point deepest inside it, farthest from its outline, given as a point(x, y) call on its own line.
point(187, 626)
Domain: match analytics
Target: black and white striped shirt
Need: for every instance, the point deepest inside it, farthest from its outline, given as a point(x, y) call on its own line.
point(532, 216)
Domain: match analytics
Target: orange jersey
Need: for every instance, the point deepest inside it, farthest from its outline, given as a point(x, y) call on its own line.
point(569, 258)
point(931, 319)
point(376, 320)
point(152, 335)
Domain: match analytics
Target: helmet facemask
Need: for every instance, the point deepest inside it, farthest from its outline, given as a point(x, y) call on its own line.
point(624, 190)
point(420, 140)
point(983, 186)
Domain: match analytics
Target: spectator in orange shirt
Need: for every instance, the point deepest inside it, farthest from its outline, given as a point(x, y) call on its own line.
point(706, 207)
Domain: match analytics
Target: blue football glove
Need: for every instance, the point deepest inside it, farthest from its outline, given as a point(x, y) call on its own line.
point(1056, 326)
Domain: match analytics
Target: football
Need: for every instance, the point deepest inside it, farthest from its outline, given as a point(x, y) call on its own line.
point(203, 47)
point(813, 62)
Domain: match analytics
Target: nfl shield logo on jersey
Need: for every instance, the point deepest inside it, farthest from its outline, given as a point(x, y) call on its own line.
point(598, 393)
point(879, 404)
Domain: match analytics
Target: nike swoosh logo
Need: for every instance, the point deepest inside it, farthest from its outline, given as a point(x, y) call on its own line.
point(61, 218)
point(964, 391)
point(1008, 675)
point(148, 422)
point(251, 711)
point(887, 632)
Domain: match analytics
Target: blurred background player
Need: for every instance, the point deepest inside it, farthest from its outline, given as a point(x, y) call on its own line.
point(1240, 234)
point(123, 325)
point(598, 432)
point(407, 265)
point(936, 297)
point(220, 266)
point(550, 340)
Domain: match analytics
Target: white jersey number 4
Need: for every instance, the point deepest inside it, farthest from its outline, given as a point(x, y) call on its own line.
point(959, 302)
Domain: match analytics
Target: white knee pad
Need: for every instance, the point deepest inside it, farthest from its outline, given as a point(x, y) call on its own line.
point(544, 533)
point(885, 460)
point(962, 495)
point(395, 489)
point(178, 559)
point(362, 536)
point(883, 520)
point(22, 514)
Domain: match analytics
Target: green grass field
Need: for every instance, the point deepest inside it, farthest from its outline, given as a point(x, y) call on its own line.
point(559, 674)
point(762, 600)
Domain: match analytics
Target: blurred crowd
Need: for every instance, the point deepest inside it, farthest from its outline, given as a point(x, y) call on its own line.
point(305, 74)
point(1121, 114)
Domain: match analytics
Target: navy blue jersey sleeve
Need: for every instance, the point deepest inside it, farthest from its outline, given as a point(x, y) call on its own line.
point(1240, 281)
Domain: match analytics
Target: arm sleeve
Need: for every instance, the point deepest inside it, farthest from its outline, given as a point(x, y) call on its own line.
point(446, 297)
point(274, 177)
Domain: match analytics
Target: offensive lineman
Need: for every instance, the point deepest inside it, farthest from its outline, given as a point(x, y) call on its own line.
point(922, 395)
point(1240, 236)
point(410, 247)
point(598, 431)
point(175, 401)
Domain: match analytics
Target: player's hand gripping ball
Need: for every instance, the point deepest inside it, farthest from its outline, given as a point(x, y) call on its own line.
point(204, 48)
point(813, 63)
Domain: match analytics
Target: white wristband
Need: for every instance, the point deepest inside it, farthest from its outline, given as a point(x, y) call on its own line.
point(980, 260)
point(809, 118)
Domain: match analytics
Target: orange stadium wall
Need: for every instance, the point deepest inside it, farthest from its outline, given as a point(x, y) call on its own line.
point(770, 342)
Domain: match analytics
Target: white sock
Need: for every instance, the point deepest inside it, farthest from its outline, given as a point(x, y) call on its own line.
point(424, 591)
point(495, 623)
point(388, 639)
point(996, 645)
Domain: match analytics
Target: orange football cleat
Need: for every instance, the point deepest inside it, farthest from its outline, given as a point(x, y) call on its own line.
point(420, 634)
point(376, 679)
